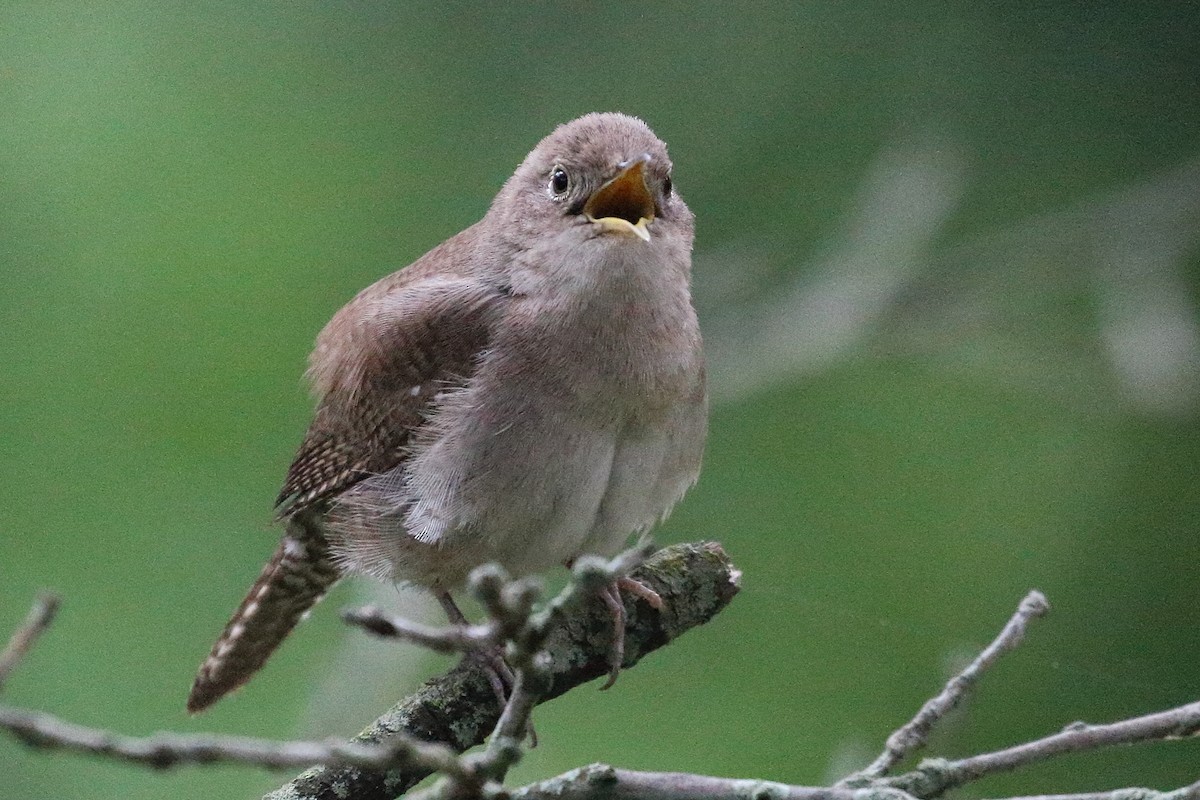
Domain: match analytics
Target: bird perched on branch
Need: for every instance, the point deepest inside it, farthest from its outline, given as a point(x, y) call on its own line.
point(529, 391)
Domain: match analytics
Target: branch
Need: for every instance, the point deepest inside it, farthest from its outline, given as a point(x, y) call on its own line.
point(935, 776)
point(915, 734)
point(930, 779)
point(553, 649)
point(1190, 792)
point(510, 604)
point(166, 750)
point(23, 638)
point(602, 782)
point(451, 639)
point(459, 708)
point(426, 732)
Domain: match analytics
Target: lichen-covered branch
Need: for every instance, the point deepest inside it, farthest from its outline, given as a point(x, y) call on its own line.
point(427, 732)
point(459, 709)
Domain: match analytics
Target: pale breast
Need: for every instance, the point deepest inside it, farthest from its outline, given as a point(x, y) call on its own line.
point(566, 440)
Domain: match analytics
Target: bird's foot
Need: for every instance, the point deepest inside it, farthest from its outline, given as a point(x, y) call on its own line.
point(499, 675)
point(490, 660)
point(639, 589)
point(611, 595)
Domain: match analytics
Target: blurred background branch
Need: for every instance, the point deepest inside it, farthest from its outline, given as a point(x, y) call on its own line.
point(41, 615)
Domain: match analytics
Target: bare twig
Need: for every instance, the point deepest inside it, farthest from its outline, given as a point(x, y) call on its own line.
point(602, 782)
point(483, 774)
point(1190, 792)
point(915, 733)
point(168, 750)
point(41, 614)
point(531, 682)
point(508, 602)
point(932, 777)
point(450, 639)
point(165, 750)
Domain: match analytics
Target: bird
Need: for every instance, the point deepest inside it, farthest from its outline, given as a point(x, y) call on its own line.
point(529, 391)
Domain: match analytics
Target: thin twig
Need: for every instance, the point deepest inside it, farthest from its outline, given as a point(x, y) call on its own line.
point(1190, 792)
point(531, 683)
point(507, 602)
point(915, 733)
point(504, 745)
point(449, 639)
point(165, 750)
point(40, 615)
point(935, 776)
point(510, 605)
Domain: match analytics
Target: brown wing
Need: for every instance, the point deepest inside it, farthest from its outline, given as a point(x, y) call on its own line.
point(376, 368)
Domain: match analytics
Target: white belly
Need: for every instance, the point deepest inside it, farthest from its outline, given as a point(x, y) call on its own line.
point(530, 494)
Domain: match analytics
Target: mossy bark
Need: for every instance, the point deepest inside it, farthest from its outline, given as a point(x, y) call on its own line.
point(460, 709)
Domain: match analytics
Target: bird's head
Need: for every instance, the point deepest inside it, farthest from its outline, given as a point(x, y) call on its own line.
point(601, 181)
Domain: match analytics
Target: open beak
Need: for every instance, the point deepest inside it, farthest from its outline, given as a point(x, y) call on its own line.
point(624, 204)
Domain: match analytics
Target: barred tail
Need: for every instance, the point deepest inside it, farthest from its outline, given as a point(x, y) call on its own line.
point(297, 576)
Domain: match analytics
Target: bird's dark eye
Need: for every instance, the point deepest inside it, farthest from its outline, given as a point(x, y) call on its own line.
point(559, 181)
point(667, 187)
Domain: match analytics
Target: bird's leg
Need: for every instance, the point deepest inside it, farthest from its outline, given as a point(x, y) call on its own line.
point(611, 595)
point(499, 674)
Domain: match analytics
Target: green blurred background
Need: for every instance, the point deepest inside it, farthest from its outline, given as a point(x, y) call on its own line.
point(948, 265)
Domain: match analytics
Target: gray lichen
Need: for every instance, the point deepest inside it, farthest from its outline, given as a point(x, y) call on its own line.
point(459, 709)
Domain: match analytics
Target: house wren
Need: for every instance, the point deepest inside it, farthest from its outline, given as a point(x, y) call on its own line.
point(528, 391)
